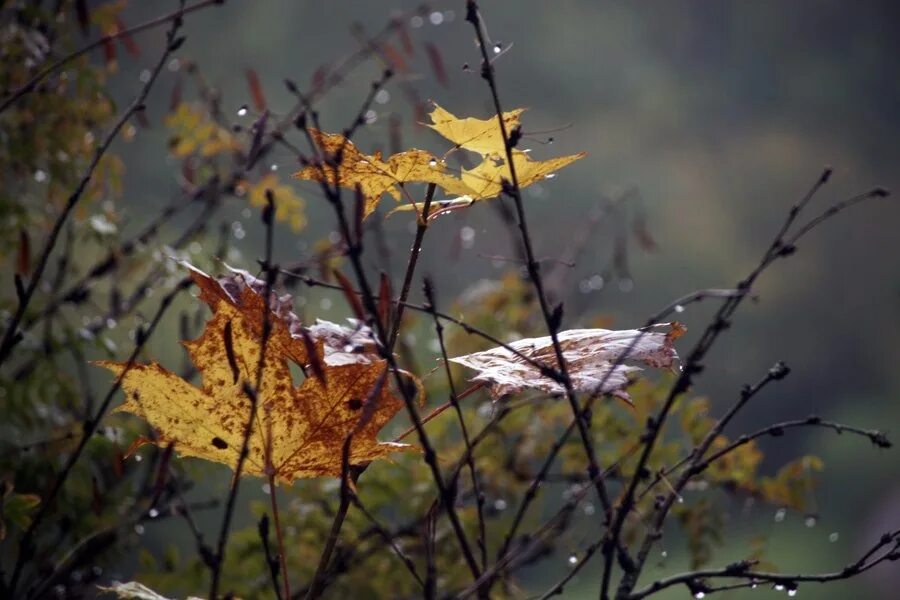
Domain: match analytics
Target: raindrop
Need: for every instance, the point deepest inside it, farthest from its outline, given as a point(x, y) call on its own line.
point(195, 248)
point(174, 65)
point(834, 537)
point(467, 234)
point(242, 111)
point(498, 48)
point(145, 76)
point(589, 509)
point(432, 162)
point(138, 458)
point(273, 167)
point(416, 21)
point(266, 489)
point(499, 504)
point(370, 117)
point(139, 529)
point(779, 587)
point(626, 285)
point(753, 586)
point(382, 97)
point(792, 592)
point(597, 282)
point(664, 554)
point(436, 18)
point(573, 560)
point(584, 286)
point(700, 595)
point(246, 213)
point(153, 513)
point(810, 521)
point(40, 176)
point(549, 175)
point(780, 514)
point(325, 303)
point(679, 308)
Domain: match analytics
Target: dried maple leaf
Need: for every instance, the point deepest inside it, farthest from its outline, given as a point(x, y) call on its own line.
point(299, 431)
point(591, 356)
point(374, 176)
point(133, 590)
point(482, 136)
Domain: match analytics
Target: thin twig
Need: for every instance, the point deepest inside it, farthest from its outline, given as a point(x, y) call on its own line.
point(173, 17)
point(552, 317)
point(454, 401)
point(741, 570)
point(253, 395)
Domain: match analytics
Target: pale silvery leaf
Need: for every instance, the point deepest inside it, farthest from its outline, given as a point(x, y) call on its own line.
point(591, 357)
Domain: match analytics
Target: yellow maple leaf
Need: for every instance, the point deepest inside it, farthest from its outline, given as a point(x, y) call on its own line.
point(194, 131)
point(288, 205)
point(482, 136)
point(374, 176)
point(299, 431)
point(486, 179)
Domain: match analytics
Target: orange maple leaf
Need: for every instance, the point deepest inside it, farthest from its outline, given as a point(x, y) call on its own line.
point(298, 431)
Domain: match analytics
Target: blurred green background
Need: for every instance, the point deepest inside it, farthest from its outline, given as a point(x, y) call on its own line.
point(720, 116)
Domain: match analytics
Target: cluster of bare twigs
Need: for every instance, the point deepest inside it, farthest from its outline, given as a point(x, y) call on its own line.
point(457, 485)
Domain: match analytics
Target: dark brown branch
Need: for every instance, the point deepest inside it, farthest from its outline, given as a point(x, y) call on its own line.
point(888, 546)
point(552, 316)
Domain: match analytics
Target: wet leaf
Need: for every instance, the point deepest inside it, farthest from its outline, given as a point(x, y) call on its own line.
point(482, 136)
point(135, 591)
point(486, 180)
point(375, 176)
point(590, 355)
point(299, 431)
